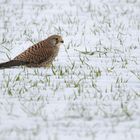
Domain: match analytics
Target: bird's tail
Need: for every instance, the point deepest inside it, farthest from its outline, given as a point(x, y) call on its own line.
point(11, 63)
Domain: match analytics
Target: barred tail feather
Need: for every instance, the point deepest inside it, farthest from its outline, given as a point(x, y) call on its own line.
point(12, 63)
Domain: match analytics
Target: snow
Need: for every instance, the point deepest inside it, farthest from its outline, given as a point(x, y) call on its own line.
point(93, 90)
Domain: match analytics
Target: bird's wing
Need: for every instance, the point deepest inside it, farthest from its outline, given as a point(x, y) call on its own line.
point(35, 54)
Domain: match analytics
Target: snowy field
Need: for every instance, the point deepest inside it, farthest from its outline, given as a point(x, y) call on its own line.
point(93, 90)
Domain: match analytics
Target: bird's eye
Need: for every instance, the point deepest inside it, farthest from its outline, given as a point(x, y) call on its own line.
point(57, 40)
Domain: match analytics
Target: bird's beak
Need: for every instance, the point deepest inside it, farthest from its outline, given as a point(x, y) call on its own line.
point(62, 41)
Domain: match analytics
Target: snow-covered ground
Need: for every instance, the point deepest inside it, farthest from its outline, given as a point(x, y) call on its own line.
point(93, 90)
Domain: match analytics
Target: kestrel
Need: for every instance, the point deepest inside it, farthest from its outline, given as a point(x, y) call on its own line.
point(39, 55)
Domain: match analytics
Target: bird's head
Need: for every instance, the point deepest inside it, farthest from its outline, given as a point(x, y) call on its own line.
point(55, 40)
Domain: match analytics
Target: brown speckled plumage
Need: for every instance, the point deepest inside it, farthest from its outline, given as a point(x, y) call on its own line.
point(38, 55)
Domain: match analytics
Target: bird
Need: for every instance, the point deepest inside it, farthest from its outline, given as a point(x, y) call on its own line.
point(41, 54)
